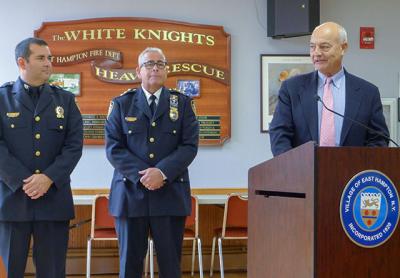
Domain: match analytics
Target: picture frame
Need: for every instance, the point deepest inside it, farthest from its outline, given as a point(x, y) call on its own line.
point(68, 81)
point(188, 87)
point(390, 111)
point(276, 68)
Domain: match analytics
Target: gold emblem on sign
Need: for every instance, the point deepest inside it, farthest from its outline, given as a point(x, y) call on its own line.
point(59, 112)
point(130, 119)
point(12, 114)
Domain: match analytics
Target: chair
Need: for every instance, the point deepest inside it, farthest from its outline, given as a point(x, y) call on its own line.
point(3, 273)
point(191, 233)
point(234, 226)
point(102, 227)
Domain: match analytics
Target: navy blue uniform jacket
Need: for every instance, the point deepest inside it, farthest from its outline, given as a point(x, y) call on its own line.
point(33, 141)
point(135, 141)
point(295, 120)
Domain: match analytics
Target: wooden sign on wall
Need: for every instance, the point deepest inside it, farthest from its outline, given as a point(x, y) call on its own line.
point(96, 60)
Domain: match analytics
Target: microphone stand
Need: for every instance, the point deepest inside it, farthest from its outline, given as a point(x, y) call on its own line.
point(356, 122)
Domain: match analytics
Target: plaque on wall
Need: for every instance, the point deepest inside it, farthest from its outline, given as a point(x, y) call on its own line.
point(98, 59)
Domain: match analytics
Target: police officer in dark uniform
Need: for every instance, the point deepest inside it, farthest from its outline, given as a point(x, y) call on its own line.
point(40, 145)
point(151, 138)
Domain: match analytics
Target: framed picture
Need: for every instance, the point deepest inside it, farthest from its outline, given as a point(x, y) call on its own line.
point(274, 70)
point(190, 88)
point(389, 106)
point(68, 81)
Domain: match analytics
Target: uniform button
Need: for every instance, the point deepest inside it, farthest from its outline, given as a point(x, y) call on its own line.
point(174, 131)
point(12, 125)
point(151, 155)
point(181, 179)
point(124, 179)
point(129, 131)
point(153, 124)
point(37, 118)
point(37, 136)
point(37, 171)
point(61, 127)
point(37, 153)
point(151, 140)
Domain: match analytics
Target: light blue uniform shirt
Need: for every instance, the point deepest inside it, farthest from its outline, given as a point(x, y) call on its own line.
point(339, 100)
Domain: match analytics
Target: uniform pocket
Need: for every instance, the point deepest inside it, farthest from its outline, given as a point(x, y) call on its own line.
point(133, 128)
point(56, 124)
point(16, 123)
point(171, 129)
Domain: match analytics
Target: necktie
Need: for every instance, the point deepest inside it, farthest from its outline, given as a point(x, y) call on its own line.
point(327, 132)
point(153, 104)
point(34, 93)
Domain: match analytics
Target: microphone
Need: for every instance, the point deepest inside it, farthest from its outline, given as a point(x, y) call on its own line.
point(318, 98)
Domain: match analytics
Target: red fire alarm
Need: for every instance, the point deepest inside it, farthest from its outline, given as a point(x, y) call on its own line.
point(367, 37)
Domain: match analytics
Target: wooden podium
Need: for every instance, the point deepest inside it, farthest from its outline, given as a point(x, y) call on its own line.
point(297, 231)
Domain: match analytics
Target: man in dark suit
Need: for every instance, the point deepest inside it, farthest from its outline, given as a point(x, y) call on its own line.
point(40, 145)
point(151, 138)
point(299, 117)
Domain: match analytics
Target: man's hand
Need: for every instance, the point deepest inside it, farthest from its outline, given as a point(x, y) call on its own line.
point(152, 178)
point(36, 185)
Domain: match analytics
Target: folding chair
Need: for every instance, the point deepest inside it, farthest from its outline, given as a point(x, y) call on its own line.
point(3, 273)
point(234, 226)
point(102, 227)
point(191, 233)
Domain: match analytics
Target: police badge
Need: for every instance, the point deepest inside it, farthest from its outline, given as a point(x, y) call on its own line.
point(173, 108)
point(59, 112)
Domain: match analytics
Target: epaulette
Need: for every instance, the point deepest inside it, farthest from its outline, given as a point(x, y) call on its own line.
point(175, 91)
point(10, 83)
point(56, 86)
point(131, 90)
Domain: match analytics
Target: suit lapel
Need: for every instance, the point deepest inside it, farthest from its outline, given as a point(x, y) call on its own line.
point(309, 103)
point(22, 96)
point(141, 103)
point(44, 99)
point(353, 100)
point(163, 103)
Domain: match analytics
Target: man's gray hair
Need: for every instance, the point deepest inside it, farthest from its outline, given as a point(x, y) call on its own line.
point(147, 50)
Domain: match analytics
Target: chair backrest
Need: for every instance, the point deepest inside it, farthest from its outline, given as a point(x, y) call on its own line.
point(3, 273)
point(100, 216)
point(193, 219)
point(235, 213)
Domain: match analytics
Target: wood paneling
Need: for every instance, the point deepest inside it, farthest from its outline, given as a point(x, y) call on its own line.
point(195, 191)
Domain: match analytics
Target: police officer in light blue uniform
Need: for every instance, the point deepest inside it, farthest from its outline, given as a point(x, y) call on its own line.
point(40, 144)
point(151, 138)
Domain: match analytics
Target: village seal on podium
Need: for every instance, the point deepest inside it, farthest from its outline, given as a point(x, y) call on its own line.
point(369, 208)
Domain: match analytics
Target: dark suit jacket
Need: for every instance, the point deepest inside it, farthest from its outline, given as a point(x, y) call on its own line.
point(60, 147)
point(295, 120)
point(129, 129)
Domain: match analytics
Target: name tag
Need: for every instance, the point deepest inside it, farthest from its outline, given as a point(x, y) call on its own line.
point(130, 119)
point(12, 114)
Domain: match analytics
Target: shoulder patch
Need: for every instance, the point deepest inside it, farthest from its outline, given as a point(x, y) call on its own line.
point(131, 90)
point(193, 107)
point(110, 109)
point(10, 83)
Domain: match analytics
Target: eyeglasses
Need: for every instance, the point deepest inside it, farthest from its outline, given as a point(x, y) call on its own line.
point(150, 64)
